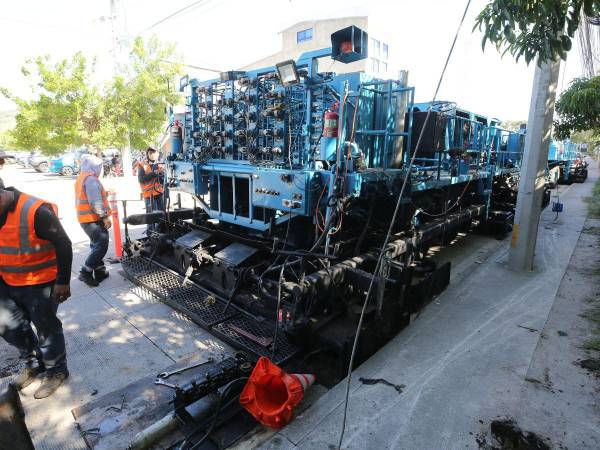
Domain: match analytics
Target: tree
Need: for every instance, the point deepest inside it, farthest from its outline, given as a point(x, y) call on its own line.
point(63, 112)
point(585, 137)
point(69, 110)
point(6, 140)
point(578, 108)
point(530, 28)
point(136, 102)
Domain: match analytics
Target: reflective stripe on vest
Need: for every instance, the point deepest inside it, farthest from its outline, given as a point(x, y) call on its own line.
point(152, 188)
point(33, 260)
point(85, 213)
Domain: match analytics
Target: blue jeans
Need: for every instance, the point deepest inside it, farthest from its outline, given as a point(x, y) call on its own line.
point(19, 308)
point(98, 244)
point(155, 203)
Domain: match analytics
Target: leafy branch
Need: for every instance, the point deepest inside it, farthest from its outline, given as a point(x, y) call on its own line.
point(533, 28)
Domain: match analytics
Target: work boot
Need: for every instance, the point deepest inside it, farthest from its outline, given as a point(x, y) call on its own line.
point(88, 278)
point(27, 375)
point(50, 383)
point(100, 274)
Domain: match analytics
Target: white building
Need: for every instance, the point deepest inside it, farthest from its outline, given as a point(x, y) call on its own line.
point(316, 34)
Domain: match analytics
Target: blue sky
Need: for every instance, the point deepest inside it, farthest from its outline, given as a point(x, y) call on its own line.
point(227, 34)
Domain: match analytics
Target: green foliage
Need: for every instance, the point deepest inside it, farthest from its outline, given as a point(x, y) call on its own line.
point(585, 137)
point(594, 203)
point(69, 110)
point(136, 102)
point(530, 28)
point(6, 140)
point(63, 111)
point(578, 108)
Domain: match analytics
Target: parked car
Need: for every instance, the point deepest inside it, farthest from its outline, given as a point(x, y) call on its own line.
point(23, 159)
point(67, 164)
point(41, 163)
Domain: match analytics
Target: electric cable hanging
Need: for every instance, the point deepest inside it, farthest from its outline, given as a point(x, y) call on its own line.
point(389, 232)
point(176, 13)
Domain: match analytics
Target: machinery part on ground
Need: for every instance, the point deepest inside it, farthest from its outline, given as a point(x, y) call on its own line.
point(13, 430)
point(271, 394)
point(215, 376)
point(199, 407)
point(158, 216)
point(147, 438)
point(222, 378)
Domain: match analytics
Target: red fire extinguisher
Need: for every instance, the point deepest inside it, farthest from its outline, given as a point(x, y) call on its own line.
point(330, 123)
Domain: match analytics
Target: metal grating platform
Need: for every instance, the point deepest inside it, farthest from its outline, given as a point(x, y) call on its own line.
point(189, 299)
point(234, 326)
point(249, 332)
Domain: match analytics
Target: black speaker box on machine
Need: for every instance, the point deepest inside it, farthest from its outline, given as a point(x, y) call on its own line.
point(349, 44)
point(434, 136)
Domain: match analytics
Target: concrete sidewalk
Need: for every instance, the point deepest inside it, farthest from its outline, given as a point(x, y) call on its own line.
point(464, 361)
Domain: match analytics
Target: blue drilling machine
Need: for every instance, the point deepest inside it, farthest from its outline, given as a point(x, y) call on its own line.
point(295, 174)
point(566, 162)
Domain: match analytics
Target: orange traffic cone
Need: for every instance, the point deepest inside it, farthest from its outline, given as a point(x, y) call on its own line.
point(271, 394)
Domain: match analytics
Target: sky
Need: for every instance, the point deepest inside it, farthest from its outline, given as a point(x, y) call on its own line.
point(227, 34)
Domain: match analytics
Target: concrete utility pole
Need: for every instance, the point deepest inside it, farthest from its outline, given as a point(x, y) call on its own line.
point(535, 158)
point(119, 36)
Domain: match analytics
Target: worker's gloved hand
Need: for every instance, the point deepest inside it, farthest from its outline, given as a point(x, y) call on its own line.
point(107, 222)
point(62, 292)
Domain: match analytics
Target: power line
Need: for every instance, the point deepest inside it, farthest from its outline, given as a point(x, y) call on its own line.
point(170, 16)
point(193, 66)
point(390, 229)
point(589, 45)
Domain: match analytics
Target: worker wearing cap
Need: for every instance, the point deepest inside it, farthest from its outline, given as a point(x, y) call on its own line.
point(93, 214)
point(151, 179)
point(35, 274)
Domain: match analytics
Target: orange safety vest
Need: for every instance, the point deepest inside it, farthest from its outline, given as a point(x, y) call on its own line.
point(152, 188)
point(85, 213)
point(25, 259)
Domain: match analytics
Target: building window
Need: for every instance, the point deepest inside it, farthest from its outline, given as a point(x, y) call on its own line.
point(375, 65)
point(304, 35)
point(376, 46)
point(384, 67)
point(385, 51)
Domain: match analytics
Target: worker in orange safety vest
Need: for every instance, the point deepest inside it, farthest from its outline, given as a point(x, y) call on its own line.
point(35, 274)
point(151, 179)
point(93, 214)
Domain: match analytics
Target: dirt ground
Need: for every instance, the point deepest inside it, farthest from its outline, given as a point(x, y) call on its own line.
point(559, 406)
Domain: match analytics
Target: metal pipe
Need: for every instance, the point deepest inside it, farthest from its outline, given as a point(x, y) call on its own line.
point(146, 438)
point(400, 118)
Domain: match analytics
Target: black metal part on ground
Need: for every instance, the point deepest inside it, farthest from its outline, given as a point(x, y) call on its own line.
point(13, 431)
point(224, 378)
